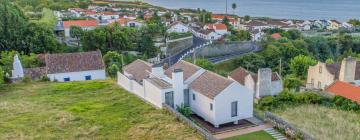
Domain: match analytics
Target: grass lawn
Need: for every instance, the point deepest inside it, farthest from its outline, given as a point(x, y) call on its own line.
point(323, 122)
point(259, 135)
point(83, 110)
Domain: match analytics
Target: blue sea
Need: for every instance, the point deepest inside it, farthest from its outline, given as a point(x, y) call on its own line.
point(283, 9)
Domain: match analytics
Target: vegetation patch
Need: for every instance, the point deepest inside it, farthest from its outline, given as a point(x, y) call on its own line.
point(259, 135)
point(83, 110)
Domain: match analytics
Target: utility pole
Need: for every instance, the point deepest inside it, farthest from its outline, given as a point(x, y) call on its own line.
point(226, 7)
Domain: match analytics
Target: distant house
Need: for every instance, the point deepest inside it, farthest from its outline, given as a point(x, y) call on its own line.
point(65, 67)
point(334, 25)
point(135, 23)
point(206, 34)
point(214, 98)
point(178, 27)
point(264, 83)
point(108, 16)
point(256, 35)
point(346, 90)
point(323, 75)
point(218, 28)
point(84, 24)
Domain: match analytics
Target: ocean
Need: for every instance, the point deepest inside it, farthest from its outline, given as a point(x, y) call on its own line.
point(341, 10)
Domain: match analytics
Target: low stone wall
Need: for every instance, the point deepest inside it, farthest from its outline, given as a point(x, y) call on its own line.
point(206, 134)
point(220, 49)
point(177, 45)
point(289, 129)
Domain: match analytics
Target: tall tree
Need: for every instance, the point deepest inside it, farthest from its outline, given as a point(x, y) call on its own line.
point(234, 6)
point(300, 64)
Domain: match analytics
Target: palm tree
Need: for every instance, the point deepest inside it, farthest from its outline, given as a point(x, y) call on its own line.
point(234, 7)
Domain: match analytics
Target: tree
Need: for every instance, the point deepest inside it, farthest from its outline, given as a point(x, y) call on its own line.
point(354, 22)
point(247, 18)
point(76, 32)
point(113, 57)
point(300, 65)
point(233, 6)
point(2, 74)
point(112, 70)
point(292, 83)
point(206, 64)
point(240, 35)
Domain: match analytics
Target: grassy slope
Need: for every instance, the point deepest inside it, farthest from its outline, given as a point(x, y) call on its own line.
point(259, 135)
point(323, 122)
point(83, 110)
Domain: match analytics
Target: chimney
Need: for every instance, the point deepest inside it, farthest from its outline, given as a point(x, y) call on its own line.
point(263, 85)
point(17, 71)
point(157, 71)
point(347, 70)
point(178, 86)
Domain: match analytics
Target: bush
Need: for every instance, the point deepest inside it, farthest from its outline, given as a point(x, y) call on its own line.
point(308, 98)
point(185, 110)
point(345, 104)
point(267, 103)
point(26, 79)
point(44, 78)
point(286, 96)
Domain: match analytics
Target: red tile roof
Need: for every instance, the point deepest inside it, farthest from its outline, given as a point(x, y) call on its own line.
point(220, 17)
point(276, 36)
point(188, 69)
point(139, 69)
point(345, 90)
point(216, 26)
point(81, 23)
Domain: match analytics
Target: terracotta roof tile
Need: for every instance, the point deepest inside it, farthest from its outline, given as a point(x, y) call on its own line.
point(73, 62)
point(345, 90)
point(139, 69)
point(81, 23)
point(239, 75)
point(276, 36)
point(188, 68)
point(210, 84)
point(34, 73)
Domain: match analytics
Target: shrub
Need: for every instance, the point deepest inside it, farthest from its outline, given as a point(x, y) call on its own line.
point(26, 79)
point(44, 78)
point(345, 104)
point(286, 96)
point(267, 103)
point(308, 98)
point(185, 110)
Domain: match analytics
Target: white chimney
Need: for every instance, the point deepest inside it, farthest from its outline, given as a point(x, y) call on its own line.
point(157, 71)
point(347, 70)
point(178, 86)
point(17, 71)
point(263, 85)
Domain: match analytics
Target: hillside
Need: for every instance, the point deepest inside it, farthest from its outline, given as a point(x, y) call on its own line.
point(83, 110)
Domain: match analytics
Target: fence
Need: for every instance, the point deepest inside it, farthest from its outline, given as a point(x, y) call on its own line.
point(205, 133)
point(289, 129)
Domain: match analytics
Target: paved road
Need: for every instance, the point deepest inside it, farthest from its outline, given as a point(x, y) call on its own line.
point(174, 58)
point(253, 48)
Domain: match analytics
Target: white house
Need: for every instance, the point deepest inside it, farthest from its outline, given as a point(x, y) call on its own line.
point(178, 27)
point(218, 28)
point(66, 67)
point(84, 24)
point(265, 83)
point(214, 98)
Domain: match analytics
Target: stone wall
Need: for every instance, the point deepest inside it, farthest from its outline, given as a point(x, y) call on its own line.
point(178, 45)
point(220, 49)
point(289, 129)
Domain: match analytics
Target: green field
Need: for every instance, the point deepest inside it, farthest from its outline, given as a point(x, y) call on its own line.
point(324, 123)
point(83, 110)
point(259, 135)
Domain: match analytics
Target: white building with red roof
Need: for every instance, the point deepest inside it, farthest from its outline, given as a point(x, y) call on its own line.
point(216, 99)
point(84, 24)
point(218, 28)
point(178, 27)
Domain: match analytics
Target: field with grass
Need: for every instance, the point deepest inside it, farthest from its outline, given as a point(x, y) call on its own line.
point(83, 110)
point(322, 122)
point(259, 135)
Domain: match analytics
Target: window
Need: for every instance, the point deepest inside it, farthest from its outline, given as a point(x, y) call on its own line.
point(88, 77)
point(320, 69)
point(66, 79)
point(234, 109)
point(194, 97)
point(186, 97)
point(319, 84)
point(211, 106)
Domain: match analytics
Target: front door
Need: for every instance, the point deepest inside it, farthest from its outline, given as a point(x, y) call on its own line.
point(169, 98)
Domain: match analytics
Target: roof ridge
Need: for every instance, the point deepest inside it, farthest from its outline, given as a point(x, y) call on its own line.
point(191, 64)
point(215, 74)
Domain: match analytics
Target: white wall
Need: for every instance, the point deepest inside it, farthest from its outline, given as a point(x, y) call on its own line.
point(222, 106)
point(178, 28)
point(153, 94)
point(138, 89)
point(276, 87)
point(78, 76)
point(201, 106)
point(124, 81)
point(250, 84)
